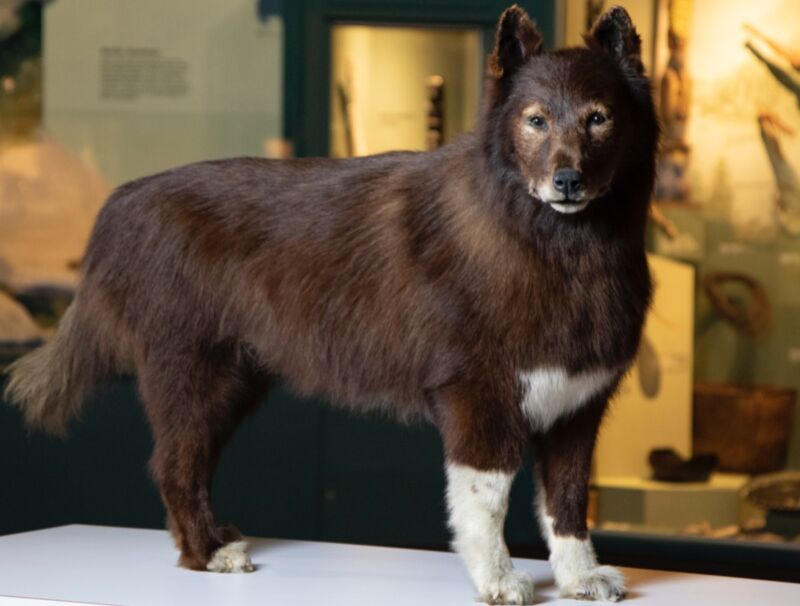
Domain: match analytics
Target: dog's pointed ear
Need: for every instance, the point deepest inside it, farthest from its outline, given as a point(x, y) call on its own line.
point(615, 34)
point(517, 39)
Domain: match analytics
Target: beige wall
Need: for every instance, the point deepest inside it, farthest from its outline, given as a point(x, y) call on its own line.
point(231, 68)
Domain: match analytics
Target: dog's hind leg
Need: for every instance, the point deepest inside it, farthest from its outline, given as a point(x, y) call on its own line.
point(563, 456)
point(194, 403)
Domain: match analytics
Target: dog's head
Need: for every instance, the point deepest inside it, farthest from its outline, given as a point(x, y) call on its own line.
point(570, 123)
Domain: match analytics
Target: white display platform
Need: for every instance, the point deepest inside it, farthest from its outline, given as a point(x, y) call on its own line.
point(120, 566)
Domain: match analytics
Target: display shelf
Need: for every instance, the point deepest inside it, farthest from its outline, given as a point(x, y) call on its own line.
point(101, 565)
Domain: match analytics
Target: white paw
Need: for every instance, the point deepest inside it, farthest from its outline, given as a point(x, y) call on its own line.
point(231, 558)
point(602, 583)
point(513, 587)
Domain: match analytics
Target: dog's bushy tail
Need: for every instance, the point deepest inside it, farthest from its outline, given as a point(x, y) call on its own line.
point(50, 384)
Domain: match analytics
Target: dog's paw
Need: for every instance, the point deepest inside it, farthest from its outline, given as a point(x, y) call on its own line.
point(602, 583)
point(514, 587)
point(231, 558)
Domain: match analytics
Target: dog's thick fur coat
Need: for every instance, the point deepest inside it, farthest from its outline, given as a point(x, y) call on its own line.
point(496, 287)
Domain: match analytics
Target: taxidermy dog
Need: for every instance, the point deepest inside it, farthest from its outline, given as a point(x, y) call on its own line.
point(495, 287)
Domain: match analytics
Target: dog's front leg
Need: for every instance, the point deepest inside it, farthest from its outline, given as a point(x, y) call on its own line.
point(563, 458)
point(484, 448)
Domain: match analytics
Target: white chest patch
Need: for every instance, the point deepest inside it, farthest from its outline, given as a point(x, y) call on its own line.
point(551, 393)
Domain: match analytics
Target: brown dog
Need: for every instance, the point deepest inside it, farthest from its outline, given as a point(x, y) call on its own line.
point(495, 287)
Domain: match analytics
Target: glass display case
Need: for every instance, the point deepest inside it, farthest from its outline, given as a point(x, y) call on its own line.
point(725, 77)
point(416, 99)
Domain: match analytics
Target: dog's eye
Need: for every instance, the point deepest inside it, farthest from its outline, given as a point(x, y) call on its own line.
point(537, 122)
point(596, 119)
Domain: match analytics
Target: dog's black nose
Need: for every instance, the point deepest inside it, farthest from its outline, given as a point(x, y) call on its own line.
point(567, 181)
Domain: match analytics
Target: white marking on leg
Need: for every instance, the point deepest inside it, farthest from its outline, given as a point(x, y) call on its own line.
point(231, 558)
point(575, 567)
point(478, 502)
point(551, 393)
point(545, 521)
